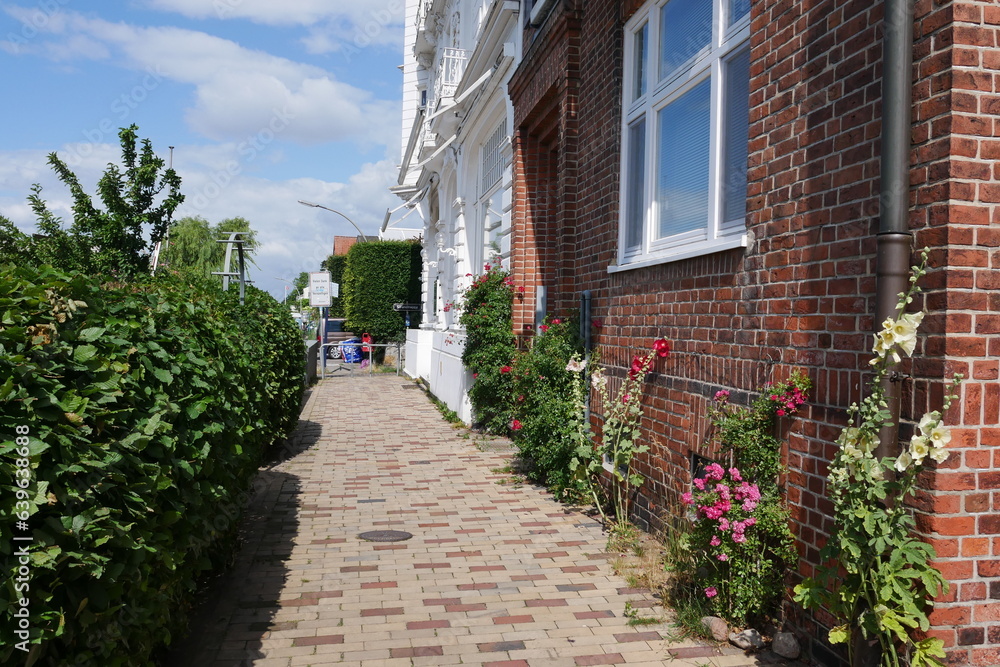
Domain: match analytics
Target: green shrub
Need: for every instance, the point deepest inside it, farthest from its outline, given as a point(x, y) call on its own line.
point(145, 409)
point(490, 351)
point(545, 406)
point(379, 274)
point(336, 264)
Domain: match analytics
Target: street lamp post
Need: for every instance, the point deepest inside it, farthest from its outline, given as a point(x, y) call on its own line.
point(315, 205)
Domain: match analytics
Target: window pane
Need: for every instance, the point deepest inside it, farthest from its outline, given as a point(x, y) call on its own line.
point(639, 66)
point(738, 9)
point(682, 188)
point(685, 29)
point(635, 197)
point(737, 101)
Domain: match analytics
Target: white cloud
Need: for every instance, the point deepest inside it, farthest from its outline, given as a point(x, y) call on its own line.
point(289, 12)
point(239, 93)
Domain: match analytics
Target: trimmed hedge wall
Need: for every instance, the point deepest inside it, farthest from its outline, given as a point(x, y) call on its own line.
point(379, 274)
point(144, 410)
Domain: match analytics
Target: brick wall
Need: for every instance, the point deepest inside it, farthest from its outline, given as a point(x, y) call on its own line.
point(801, 295)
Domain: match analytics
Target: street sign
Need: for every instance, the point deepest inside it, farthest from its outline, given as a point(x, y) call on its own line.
point(319, 289)
point(403, 307)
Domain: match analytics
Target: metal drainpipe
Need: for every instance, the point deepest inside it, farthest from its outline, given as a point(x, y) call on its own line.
point(894, 239)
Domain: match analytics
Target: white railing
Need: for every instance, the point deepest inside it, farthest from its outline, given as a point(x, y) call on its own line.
point(450, 74)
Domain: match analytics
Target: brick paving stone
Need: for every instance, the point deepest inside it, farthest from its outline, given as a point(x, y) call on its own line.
point(305, 590)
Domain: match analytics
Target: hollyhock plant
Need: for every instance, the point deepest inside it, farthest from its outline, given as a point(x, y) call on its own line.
point(873, 545)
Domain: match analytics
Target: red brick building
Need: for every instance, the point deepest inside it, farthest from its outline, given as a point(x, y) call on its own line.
point(711, 172)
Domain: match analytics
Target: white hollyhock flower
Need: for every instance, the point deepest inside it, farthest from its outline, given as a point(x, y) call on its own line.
point(903, 462)
point(853, 451)
point(905, 331)
point(939, 454)
point(877, 472)
point(927, 422)
point(939, 435)
point(919, 448)
point(576, 365)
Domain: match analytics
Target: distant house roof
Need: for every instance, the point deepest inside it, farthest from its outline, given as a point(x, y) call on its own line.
point(341, 244)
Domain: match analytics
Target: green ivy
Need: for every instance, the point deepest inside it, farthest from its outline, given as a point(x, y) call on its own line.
point(148, 407)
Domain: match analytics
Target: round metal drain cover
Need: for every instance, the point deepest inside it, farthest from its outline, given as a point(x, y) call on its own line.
point(385, 535)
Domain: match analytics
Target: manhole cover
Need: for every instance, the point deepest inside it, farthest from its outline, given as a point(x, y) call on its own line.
point(385, 535)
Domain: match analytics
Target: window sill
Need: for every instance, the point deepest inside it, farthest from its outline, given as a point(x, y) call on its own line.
point(704, 248)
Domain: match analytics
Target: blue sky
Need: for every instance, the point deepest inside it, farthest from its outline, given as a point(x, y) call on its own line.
point(265, 102)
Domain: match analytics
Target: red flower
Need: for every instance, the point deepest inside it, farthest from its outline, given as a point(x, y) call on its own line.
point(543, 327)
point(557, 321)
point(661, 347)
point(475, 375)
point(597, 323)
point(515, 425)
point(520, 289)
point(636, 369)
point(506, 369)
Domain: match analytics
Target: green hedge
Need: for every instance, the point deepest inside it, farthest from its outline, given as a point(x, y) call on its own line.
point(379, 274)
point(147, 408)
point(336, 264)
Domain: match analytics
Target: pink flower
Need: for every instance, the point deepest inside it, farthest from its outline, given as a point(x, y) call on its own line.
point(739, 538)
point(506, 369)
point(626, 398)
point(661, 347)
point(699, 483)
point(475, 375)
point(711, 592)
point(556, 321)
point(687, 498)
point(715, 541)
point(515, 425)
point(735, 474)
point(543, 327)
point(780, 413)
point(723, 557)
point(722, 395)
point(714, 471)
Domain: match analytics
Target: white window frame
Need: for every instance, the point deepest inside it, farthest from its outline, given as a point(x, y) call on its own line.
point(726, 42)
point(494, 160)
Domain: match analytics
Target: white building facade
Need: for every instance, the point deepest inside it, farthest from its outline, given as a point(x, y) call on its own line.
point(456, 168)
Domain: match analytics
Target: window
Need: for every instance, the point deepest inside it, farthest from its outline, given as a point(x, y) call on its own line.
point(494, 159)
point(684, 139)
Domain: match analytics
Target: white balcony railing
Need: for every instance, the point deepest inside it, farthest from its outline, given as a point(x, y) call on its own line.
point(450, 73)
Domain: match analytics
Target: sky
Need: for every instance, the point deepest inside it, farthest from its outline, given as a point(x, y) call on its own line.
point(266, 102)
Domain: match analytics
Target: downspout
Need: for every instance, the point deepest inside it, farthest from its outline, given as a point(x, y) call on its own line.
point(894, 238)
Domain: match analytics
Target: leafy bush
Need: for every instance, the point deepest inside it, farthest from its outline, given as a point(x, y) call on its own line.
point(487, 310)
point(544, 406)
point(379, 274)
point(740, 540)
point(139, 413)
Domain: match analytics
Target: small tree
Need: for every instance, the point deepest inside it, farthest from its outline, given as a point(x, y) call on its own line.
point(117, 240)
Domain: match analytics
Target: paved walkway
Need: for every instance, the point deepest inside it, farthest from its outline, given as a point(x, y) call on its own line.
point(495, 573)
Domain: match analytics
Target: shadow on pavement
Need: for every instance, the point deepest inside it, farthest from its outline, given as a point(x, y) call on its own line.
point(250, 590)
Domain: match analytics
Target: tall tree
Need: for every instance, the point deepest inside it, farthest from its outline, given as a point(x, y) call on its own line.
point(192, 245)
point(139, 199)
